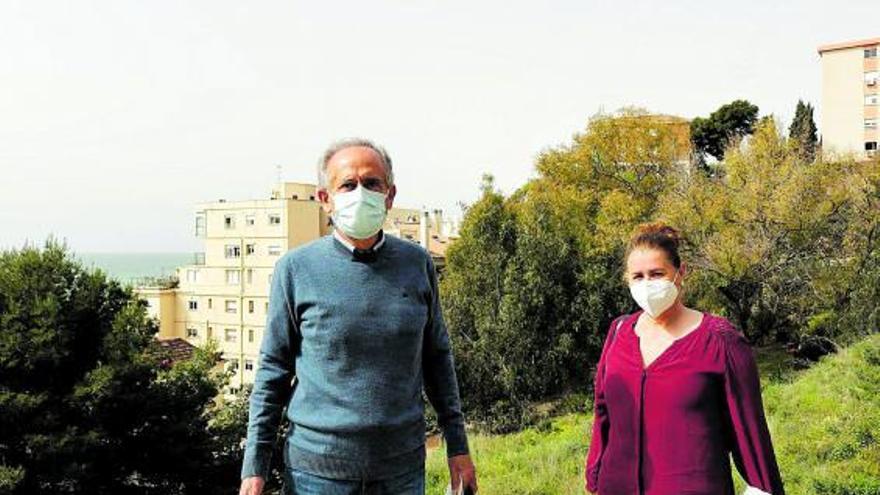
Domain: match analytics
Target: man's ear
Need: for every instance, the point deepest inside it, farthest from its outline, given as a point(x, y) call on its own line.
point(389, 198)
point(324, 199)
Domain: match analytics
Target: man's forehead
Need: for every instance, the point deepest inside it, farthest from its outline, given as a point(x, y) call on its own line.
point(355, 161)
point(356, 155)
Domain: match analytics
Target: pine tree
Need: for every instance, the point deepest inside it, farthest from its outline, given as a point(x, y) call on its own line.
point(803, 131)
point(88, 402)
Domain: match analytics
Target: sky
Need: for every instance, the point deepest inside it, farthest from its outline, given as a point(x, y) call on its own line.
point(117, 117)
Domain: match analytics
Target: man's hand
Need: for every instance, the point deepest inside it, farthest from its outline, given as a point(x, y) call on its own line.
point(252, 486)
point(461, 471)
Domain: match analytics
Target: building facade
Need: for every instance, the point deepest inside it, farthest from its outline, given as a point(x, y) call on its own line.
point(850, 97)
point(223, 295)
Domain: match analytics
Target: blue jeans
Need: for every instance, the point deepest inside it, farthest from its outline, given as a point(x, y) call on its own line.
point(300, 483)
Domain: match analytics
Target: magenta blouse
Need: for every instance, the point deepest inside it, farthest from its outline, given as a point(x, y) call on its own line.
point(668, 429)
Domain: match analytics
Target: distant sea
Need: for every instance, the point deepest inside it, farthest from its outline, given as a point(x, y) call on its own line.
point(133, 267)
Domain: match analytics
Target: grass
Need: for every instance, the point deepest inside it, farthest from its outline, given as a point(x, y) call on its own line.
point(542, 460)
point(825, 423)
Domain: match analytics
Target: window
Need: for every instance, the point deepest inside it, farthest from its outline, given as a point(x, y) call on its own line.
point(871, 146)
point(250, 335)
point(200, 225)
point(233, 277)
point(872, 77)
point(192, 276)
point(233, 250)
point(231, 306)
point(230, 335)
point(266, 306)
point(193, 305)
point(270, 279)
point(249, 220)
point(233, 390)
point(871, 52)
point(228, 221)
point(872, 99)
point(251, 306)
point(870, 123)
point(248, 365)
point(210, 333)
point(250, 275)
point(210, 303)
point(192, 333)
point(274, 250)
point(274, 219)
point(249, 249)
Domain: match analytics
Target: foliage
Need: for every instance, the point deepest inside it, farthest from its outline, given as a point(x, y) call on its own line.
point(803, 131)
point(534, 279)
point(765, 240)
point(785, 247)
point(713, 135)
point(86, 403)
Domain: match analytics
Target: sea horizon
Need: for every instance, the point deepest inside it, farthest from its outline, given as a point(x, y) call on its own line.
point(135, 266)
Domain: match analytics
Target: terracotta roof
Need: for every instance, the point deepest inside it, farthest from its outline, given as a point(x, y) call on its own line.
point(849, 44)
point(176, 349)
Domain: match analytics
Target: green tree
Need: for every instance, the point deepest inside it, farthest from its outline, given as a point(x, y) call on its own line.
point(803, 130)
point(763, 236)
point(535, 278)
point(88, 401)
point(731, 122)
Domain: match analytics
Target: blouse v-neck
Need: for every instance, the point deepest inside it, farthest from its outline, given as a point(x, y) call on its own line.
point(638, 340)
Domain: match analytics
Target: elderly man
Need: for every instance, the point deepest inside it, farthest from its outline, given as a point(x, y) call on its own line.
point(355, 317)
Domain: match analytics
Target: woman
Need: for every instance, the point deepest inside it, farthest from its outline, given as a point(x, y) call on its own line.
point(676, 391)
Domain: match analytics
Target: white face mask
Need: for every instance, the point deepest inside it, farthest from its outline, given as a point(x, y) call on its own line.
point(654, 296)
point(360, 213)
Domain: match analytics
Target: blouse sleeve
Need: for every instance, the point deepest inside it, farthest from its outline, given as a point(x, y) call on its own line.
point(751, 445)
point(599, 437)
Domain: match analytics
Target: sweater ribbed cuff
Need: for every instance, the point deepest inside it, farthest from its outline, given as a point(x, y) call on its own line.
point(456, 441)
point(256, 462)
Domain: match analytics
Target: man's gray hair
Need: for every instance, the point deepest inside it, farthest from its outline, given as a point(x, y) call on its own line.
point(353, 143)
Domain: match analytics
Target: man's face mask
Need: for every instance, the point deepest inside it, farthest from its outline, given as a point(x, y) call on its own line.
point(359, 213)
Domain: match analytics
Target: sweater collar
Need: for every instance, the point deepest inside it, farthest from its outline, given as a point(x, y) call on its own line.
point(361, 254)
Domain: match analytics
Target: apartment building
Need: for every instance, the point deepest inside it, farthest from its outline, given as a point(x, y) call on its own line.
point(223, 295)
point(851, 97)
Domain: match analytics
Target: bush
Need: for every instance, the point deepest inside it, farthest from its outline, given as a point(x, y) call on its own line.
point(86, 403)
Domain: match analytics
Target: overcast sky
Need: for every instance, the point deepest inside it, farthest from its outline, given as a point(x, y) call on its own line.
point(117, 117)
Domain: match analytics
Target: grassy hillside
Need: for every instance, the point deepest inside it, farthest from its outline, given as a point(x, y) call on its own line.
point(825, 424)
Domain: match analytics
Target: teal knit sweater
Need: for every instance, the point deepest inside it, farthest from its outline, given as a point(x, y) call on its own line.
point(363, 336)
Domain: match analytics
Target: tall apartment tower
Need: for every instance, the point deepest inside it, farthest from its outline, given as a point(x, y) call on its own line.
point(223, 295)
point(850, 97)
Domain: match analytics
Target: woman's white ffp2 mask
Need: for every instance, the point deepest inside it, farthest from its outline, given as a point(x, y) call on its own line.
point(654, 296)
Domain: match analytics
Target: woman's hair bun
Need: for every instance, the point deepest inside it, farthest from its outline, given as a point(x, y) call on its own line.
point(657, 235)
point(659, 229)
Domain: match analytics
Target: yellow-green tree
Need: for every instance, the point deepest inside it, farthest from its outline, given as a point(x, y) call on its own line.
point(764, 235)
